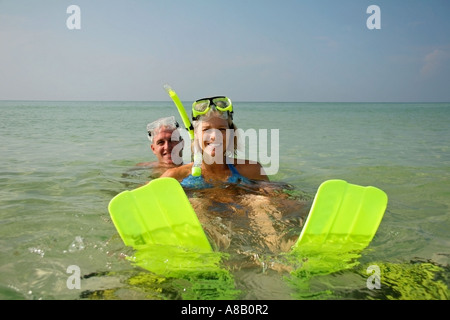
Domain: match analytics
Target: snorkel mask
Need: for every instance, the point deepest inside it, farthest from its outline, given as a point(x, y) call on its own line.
point(220, 103)
point(168, 122)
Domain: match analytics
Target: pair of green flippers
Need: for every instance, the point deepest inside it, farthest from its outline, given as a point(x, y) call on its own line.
point(342, 215)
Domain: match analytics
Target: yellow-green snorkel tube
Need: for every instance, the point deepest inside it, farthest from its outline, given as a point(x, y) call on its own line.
point(197, 167)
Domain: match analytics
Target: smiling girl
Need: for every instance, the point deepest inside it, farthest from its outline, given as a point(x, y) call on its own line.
point(216, 142)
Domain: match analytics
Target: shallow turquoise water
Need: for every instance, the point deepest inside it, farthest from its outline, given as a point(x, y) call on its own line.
point(62, 162)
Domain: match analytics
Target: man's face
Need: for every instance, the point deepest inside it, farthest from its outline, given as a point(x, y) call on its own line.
point(163, 144)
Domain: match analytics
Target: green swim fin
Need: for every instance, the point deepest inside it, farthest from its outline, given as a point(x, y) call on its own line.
point(343, 216)
point(158, 213)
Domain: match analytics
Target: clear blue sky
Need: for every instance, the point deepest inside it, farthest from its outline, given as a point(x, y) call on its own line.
point(249, 50)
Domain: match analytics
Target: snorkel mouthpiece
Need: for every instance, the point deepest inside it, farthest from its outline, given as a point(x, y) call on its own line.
point(196, 171)
point(197, 166)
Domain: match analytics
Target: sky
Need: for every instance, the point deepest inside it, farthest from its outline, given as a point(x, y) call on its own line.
point(248, 50)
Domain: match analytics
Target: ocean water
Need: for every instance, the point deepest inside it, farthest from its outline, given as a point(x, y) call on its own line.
point(62, 162)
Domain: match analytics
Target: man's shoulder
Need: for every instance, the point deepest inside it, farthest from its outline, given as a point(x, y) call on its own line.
point(146, 164)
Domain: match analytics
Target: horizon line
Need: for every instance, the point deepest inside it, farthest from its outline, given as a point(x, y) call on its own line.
point(244, 101)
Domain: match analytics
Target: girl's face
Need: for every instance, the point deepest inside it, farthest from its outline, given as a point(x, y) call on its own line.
point(214, 137)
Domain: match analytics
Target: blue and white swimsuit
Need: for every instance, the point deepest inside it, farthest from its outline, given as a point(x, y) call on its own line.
point(200, 183)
